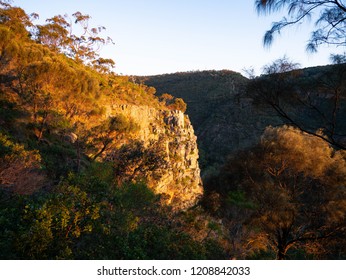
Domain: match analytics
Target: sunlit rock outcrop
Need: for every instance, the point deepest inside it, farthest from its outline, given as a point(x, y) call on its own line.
point(179, 180)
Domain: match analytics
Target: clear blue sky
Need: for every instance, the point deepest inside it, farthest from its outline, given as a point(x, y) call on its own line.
point(166, 36)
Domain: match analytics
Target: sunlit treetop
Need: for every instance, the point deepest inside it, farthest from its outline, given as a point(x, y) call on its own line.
point(70, 35)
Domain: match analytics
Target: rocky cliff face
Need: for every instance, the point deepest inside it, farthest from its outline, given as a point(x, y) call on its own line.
point(180, 180)
point(215, 109)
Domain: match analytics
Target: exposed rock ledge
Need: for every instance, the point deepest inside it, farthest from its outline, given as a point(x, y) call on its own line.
point(180, 181)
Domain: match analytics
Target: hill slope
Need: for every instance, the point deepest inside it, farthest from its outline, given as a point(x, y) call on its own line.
point(92, 165)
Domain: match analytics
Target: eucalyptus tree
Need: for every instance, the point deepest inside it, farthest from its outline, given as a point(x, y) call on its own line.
point(288, 194)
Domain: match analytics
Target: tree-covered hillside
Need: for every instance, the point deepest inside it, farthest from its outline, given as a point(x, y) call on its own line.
point(73, 173)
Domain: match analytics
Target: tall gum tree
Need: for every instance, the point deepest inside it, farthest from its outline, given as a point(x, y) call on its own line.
point(288, 194)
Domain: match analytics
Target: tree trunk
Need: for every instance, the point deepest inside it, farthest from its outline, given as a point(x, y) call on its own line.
point(281, 253)
point(105, 145)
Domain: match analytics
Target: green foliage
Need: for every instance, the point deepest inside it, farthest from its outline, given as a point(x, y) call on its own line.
point(55, 223)
point(238, 198)
point(12, 153)
point(58, 159)
point(167, 244)
point(109, 132)
point(86, 218)
point(10, 218)
point(134, 161)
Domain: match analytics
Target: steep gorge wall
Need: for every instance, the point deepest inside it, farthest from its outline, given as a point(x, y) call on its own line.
point(180, 181)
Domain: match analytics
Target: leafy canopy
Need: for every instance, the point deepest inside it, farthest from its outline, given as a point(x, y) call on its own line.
point(329, 17)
